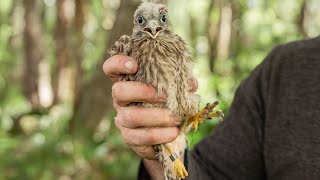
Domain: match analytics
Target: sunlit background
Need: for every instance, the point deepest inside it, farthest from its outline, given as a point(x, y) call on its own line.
point(56, 115)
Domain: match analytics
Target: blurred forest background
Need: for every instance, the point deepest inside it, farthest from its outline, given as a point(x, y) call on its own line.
point(56, 115)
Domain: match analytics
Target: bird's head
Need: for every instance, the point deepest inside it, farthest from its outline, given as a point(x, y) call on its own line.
point(151, 20)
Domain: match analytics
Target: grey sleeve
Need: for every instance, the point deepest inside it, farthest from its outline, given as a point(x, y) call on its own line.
point(235, 149)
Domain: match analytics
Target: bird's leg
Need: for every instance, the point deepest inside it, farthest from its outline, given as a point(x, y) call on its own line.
point(205, 113)
point(217, 114)
point(122, 46)
point(178, 165)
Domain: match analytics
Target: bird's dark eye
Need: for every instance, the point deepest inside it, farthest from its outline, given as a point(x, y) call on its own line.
point(140, 20)
point(163, 18)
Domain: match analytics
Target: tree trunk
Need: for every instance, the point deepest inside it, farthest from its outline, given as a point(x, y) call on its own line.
point(33, 52)
point(95, 96)
point(224, 31)
point(60, 80)
point(212, 34)
point(301, 19)
point(237, 39)
point(79, 22)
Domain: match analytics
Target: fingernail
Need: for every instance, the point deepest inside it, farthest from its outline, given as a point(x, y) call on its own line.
point(129, 65)
point(161, 96)
point(162, 99)
point(177, 120)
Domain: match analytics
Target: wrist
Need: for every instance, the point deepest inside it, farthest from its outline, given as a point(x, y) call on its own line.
point(154, 169)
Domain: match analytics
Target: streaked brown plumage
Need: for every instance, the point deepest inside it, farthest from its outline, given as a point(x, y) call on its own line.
point(165, 63)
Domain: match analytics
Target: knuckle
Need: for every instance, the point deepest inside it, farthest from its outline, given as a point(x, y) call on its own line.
point(151, 137)
point(117, 121)
point(131, 118)
point(116, 90)
point(126, 138)
point(115, 105)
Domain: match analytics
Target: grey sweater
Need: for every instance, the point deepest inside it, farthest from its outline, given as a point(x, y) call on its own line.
point(273, 127)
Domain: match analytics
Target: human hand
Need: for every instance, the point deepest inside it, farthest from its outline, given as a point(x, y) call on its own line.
point(141, 127)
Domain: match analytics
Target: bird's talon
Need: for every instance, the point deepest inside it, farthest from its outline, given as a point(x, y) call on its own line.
point(180, 168)
point(195, 126)
point(205, 113)
point(220, 113)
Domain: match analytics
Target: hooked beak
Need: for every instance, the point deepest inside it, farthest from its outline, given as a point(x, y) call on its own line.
point(153, 29)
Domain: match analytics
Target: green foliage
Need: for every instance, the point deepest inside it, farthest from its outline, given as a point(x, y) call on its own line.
point(44, 148)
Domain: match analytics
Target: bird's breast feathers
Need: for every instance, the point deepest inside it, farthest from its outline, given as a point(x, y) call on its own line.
point(162, 61)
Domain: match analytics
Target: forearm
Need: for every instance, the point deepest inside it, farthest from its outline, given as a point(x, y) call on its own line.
point(150, 169)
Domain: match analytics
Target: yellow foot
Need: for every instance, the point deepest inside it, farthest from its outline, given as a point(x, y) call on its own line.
point(218, 113)
point(205, 113)
point(180, 169)
point(178, 165)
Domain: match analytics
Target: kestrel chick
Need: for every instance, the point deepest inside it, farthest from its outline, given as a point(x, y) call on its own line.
point(165, 63)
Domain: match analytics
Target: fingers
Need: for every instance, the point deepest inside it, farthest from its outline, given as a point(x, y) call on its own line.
point(124, 93)
point(147, 152)
point(149, 136)
point(135, 117)
point(118, 65)
point(193, 84)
